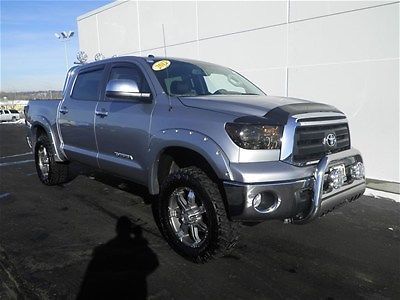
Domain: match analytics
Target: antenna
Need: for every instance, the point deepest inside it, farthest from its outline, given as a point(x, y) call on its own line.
point(165, 55)
point(165, 47)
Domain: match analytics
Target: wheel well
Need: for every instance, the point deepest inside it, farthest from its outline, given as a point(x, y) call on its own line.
point(179, 157)
point(184, 157)
point(39, 130)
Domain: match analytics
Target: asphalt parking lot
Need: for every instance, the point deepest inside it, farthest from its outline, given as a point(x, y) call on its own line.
point(47, 237)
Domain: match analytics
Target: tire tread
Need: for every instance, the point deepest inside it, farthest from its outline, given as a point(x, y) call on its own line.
point(59, 172)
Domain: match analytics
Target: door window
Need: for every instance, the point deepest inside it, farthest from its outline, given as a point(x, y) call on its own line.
point(87, 85)
point(6, 112)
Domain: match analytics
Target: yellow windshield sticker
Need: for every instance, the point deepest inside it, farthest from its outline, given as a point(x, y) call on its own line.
point(161, 65)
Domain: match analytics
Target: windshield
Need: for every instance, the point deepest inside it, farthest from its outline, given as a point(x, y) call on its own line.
point(180, 78)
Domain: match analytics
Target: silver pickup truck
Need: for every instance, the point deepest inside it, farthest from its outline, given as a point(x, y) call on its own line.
point(215, 148)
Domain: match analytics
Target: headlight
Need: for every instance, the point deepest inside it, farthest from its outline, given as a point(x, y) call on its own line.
point(255, 137)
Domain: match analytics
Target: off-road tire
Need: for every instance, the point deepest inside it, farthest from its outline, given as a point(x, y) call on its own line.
point(222, 235)
point(58, 172)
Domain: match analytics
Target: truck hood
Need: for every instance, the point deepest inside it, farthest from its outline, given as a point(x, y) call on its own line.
point(239, 105)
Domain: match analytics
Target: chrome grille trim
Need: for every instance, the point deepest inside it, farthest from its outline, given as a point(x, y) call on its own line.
point(301, 120)
point(325, 122)
point(317, 115)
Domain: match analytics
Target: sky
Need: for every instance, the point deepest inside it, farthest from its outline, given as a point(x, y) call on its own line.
point(32, 58)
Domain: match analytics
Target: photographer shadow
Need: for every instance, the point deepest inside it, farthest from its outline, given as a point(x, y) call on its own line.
point(119, 268)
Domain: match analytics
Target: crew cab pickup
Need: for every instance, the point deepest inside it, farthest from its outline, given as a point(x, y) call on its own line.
point(213, 147)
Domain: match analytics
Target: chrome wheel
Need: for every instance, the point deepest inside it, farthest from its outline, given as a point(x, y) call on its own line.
point(43, 161)
point(187, 217)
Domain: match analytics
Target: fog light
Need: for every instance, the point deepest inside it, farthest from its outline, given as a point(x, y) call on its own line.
point(266, 202)
point(336, 178)
point(357, 171)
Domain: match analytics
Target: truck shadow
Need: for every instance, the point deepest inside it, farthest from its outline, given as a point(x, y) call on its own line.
point(119, 268)
point(77, 169)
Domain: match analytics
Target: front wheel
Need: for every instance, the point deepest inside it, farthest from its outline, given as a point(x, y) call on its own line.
point(49, 171)
point(193, 217)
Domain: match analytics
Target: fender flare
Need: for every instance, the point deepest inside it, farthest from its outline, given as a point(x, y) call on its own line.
point(41, 121)
point(192, 140)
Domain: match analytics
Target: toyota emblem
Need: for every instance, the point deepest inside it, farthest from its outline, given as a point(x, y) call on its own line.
point(330, 140)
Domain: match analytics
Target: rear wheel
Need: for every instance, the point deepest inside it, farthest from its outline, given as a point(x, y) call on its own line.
point(49, 171)
point(193, 217)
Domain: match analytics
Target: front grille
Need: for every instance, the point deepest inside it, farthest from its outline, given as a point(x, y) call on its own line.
point(309, 141)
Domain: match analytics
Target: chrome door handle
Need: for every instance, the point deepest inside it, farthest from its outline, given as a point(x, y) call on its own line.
point(101, 113)
point(63, 110)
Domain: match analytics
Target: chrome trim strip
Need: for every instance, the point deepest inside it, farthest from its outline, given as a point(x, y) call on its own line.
point(287, 139)
point(318, 114)
point(311, 123)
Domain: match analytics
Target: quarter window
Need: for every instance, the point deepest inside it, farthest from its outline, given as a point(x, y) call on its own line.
point(87, 85)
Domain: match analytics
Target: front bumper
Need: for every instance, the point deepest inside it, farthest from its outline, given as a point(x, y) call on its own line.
point(301, 200)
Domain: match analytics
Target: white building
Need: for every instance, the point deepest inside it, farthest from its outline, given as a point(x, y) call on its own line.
point(342, 53)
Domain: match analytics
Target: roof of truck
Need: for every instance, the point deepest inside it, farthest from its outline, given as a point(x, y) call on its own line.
point(149, 59)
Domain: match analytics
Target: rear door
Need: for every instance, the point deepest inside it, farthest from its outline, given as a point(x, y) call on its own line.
point(76, 116)
point(122, 126)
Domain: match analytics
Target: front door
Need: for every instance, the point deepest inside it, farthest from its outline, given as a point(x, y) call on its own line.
point(122, 127)
point(76, 116)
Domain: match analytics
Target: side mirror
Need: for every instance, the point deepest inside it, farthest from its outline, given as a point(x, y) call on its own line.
point(125, 89)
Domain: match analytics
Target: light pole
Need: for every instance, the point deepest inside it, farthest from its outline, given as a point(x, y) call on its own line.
point(65, 37)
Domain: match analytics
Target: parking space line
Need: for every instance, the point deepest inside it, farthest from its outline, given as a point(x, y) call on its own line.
point(15, 155)
point(16, 162)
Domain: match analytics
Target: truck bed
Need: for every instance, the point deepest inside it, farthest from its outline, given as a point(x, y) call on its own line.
point(46, 109)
